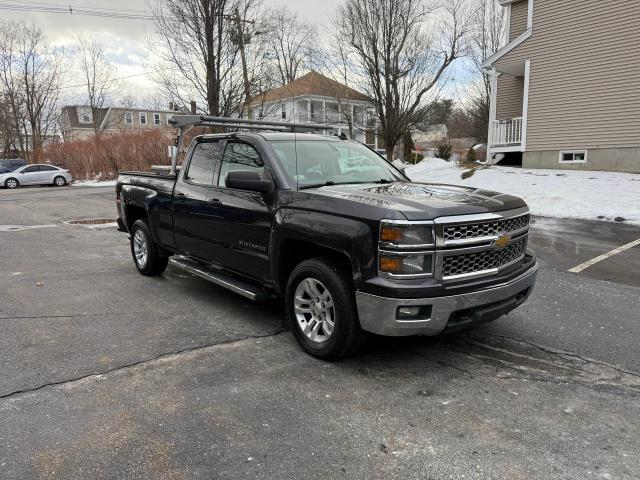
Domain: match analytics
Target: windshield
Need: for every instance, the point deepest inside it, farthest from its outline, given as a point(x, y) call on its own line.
point(327, 162)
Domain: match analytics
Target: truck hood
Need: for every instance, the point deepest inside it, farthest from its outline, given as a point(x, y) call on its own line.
point(424, 201)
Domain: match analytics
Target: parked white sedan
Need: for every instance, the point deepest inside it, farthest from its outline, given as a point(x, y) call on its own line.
point(35, 175)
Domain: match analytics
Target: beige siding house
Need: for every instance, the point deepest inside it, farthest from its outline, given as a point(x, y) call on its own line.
point(79, 122)
point(565, 88)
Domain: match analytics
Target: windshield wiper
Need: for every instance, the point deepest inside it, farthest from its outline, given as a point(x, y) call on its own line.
point(316, 185)
point(330, 182)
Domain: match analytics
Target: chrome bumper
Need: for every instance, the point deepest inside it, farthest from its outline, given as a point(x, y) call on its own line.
point(379, 314)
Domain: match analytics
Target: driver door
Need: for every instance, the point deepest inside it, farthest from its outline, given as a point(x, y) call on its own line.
point(30, 175)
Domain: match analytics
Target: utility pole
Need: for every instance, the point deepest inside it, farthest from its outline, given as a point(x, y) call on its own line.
point(239, 38)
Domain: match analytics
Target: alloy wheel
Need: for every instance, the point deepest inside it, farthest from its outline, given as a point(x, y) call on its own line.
point(140, 248)
point(314, 310)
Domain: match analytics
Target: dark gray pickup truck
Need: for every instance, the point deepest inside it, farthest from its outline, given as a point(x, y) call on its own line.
point(348, 241)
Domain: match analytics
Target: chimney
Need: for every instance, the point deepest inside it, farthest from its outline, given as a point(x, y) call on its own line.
point(193, 107)
point(171, 106)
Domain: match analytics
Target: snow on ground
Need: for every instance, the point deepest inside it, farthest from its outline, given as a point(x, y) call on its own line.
point(552, 193)
point(94, 183)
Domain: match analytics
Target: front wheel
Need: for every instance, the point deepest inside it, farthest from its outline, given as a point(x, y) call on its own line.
point(321, 308)
point(11, 183)
point(146, 255)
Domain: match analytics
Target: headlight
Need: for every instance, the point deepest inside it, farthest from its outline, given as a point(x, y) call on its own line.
point(407, 264)
point(406, 235)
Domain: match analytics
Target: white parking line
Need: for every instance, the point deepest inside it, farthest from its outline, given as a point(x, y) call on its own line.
point(604, 256)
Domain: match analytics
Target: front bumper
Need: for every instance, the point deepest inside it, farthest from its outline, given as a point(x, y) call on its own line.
point(379, 314)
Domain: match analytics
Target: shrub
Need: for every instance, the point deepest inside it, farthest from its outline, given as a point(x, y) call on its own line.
point(471, 155)
point(101, 158)
point(444, 151)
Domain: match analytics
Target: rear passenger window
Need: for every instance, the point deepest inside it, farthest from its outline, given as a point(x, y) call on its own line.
point(47, 168)
point(239, 156)
point(203, 161)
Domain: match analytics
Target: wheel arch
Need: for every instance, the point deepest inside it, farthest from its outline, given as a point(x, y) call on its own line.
point(301, 235)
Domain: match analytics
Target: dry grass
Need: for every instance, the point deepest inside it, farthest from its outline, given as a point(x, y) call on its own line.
point(102, 158)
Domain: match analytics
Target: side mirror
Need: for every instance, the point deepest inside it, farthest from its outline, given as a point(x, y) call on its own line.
point(248, 180)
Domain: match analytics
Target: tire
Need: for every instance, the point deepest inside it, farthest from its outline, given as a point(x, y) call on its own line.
point(147, 257)
point(59, 181)
point(327, 277)
point(11, 183)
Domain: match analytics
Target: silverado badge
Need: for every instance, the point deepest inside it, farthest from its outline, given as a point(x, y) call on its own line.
point(502, 241)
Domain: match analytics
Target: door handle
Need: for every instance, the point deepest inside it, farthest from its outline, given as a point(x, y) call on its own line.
point(181, 195)
point(214, 200)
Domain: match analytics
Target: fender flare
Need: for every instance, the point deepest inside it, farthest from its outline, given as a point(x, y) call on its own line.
point(349, 237)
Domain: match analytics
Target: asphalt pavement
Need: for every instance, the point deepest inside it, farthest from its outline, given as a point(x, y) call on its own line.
point(108, 374)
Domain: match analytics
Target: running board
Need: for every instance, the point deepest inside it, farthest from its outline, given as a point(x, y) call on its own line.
point(247, 290)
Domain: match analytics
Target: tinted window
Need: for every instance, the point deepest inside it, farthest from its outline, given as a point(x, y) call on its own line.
point(47, 168)
point(203, 160)
point(33, 168)
point(239, 156)
point(321, 161)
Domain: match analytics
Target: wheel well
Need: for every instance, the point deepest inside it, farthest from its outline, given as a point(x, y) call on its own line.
point(134, 213)
point(292, 252)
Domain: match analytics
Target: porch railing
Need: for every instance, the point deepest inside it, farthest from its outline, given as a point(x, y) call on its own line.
point(506, 132)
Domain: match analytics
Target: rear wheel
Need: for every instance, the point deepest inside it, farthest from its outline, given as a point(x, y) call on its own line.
point(59, 181)
point(11, 183)
point(146, 254)
point(321, 309)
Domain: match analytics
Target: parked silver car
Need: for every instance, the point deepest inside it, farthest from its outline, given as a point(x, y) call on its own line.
point(36, 175)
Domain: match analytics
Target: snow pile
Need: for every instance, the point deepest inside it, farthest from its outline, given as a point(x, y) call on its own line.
point(551, 193)
point(94, 183)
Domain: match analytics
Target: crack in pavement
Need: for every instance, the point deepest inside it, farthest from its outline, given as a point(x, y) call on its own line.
point(78, 315)
point(560, 353)
point(162, 356)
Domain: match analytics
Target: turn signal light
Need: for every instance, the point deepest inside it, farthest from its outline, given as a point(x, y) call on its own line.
point(391, 264)
point(391, 234)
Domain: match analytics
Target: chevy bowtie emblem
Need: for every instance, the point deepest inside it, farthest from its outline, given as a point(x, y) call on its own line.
point(502, 241)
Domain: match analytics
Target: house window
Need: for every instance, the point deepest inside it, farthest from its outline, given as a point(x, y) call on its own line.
point(156, 119)
point(143, 118)
point(128, 118)
point(85, 115)
point(283, 110)
point(573, 156)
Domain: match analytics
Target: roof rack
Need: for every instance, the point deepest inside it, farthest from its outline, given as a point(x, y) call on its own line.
point(186, 122)
point(180, 121)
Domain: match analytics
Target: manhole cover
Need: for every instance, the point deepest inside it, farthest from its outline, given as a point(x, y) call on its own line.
point(91, 221)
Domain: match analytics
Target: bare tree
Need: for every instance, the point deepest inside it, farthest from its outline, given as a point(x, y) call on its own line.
point(7, 128)
point(30, 84)
point(400, 58)
point(489, 24)
point(291, 43)
point(99, 77)
point(197, 55)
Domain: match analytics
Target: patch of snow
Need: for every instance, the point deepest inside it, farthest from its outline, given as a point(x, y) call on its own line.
point(581, 194)
point(94, 183)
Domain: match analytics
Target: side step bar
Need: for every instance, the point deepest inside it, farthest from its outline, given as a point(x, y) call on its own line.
point(247, 290)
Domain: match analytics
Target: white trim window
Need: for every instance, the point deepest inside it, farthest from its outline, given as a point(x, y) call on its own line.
point(85, 115)
point(128, 118)
point(143, 118)
point(156, 119)
point(573, 156)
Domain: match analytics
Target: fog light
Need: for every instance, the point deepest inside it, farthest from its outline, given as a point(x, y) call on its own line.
point(420, 312)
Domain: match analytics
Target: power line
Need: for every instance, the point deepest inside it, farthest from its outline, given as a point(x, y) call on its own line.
point(113, 79)
point(68, 5)
point(76, 11)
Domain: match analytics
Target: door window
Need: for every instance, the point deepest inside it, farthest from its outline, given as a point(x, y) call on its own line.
point(203, 161)
point(47, 168)
point(31, 169)
point(239, 156)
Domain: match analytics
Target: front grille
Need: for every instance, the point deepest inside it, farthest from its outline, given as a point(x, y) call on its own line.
point(485, 229)
point(466, 263)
